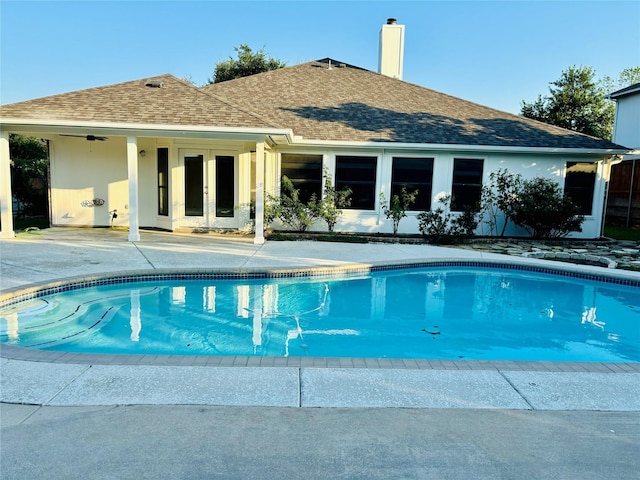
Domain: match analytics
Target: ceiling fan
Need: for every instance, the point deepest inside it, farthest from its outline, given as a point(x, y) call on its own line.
point(90, 138)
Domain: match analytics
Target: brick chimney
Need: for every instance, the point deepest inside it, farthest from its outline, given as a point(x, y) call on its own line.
point(391, 49)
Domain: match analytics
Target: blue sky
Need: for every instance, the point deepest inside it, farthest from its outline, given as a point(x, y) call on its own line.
point(495, 53)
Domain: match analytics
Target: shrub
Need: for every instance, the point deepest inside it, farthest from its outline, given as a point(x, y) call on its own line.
point(441, 226)
point(333, 201)
point(543, 211)
point(501, 195)
point(290, 210)
point(398, 206)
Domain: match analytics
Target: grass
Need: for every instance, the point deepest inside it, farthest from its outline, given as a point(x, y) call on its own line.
point(620, 233)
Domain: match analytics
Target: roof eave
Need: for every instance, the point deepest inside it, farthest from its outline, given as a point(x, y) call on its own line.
point(623, 92)
point(298, 141)
point(30, 125)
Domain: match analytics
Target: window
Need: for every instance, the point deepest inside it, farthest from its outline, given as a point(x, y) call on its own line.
point(225, 182)
point(413, 174)
point(359, 174)
point(579, 184)
point(466, 189)
point(305, 172)
point(163, 181)
point(193, 186)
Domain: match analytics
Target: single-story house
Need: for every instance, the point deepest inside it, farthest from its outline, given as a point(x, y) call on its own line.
point(160, 152)
point(623, 201)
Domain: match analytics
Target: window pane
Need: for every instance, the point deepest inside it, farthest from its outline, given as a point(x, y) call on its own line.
point(193, 186)
point(359, 174)
point(579, 184)
point(413, 174)
point(467, 184)
point(305, 172)
point(163, 181)
point(224, 186)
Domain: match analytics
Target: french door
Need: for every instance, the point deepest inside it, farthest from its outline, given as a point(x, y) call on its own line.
point(209, 189)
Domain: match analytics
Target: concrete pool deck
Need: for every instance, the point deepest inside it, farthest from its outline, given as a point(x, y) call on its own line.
point(50, 379)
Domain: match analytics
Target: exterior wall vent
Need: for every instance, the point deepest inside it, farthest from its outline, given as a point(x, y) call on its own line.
point(155, 84)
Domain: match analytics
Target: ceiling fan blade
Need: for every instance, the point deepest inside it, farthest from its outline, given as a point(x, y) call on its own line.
point(90, 138)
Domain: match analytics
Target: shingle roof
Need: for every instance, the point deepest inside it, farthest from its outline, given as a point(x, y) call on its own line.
point(175, 103)
point(348, 103)
point(341, 103)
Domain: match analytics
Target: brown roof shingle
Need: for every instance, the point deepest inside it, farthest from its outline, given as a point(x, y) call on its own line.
point(341, 103)
point(175, 103)
point(348, 103)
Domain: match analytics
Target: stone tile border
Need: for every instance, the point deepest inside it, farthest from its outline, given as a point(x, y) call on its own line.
point(11, 296)
point(9, 352)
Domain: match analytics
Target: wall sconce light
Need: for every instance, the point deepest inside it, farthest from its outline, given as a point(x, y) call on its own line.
point(142, 153)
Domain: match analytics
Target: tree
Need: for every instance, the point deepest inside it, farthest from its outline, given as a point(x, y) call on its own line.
point(576, 102)
point(29, 173)
point(248, 63)
point(628, 76)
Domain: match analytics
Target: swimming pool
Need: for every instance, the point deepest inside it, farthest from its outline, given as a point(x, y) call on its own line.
point(447, 311)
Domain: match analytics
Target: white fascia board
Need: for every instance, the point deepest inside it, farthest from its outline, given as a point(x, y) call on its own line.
point(457, 147)
point(142, 130)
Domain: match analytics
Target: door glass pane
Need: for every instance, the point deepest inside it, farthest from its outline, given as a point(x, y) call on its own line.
point(224, 186)
point(193, 186)
point(163, 181)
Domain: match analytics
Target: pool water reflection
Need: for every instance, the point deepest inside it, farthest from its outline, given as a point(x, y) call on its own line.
point(433, 313)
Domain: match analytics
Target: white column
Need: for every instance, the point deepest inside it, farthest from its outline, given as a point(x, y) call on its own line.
point(259, 234)
point(6, 213)
point(132, 165)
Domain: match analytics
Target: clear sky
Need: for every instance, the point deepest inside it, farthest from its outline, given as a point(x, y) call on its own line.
point(496, 53)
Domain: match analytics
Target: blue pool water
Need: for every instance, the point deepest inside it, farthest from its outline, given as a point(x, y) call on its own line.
point(429, 313)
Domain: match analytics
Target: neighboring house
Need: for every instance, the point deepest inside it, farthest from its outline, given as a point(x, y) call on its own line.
point(162, 153)
point(623, 201)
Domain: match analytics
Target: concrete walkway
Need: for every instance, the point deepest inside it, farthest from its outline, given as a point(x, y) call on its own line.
point(118, 420)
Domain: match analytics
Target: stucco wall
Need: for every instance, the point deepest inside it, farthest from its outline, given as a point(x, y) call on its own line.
point(529, 166)
point(83, 171)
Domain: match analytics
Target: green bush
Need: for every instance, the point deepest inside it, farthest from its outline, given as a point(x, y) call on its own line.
point(290, 210)
point(440, 226)
point(500, 195)
point(397, 208)
point(333, 201)
point(544, 211)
